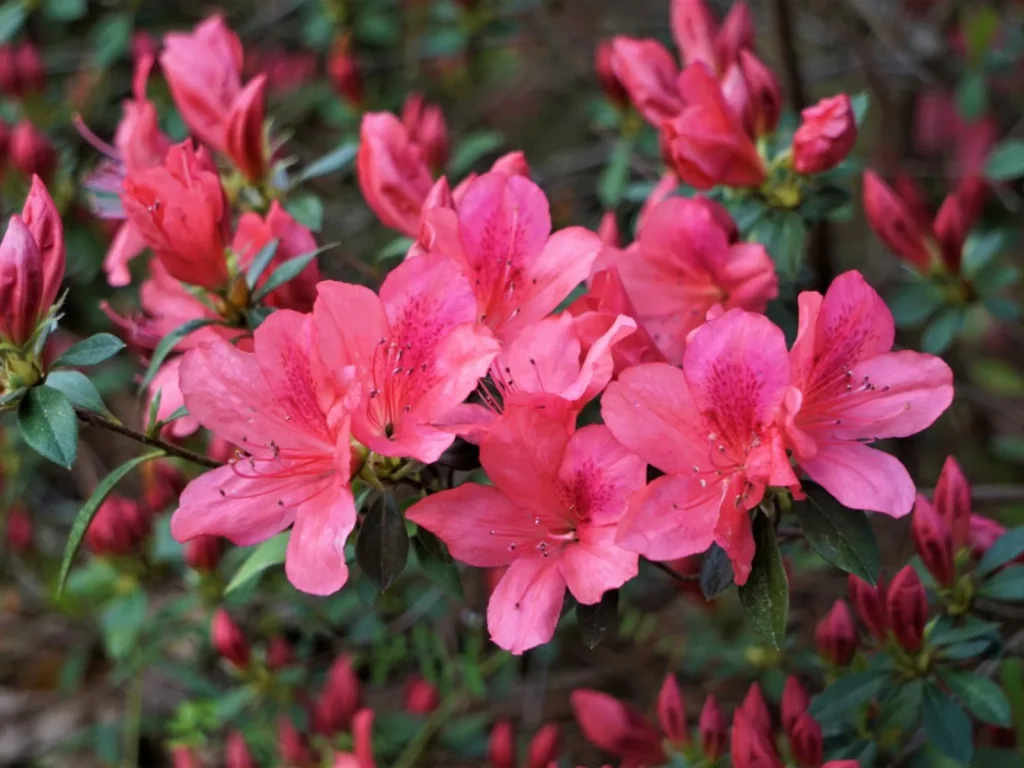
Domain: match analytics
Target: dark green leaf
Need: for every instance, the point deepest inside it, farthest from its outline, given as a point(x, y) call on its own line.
point(969, 649)
point(256, 316)
point(945, 632)
point(841, 536)
point(716, 574)
point(90, 351)
point(383, 544)
point(981, 249)
point(65, 10)
point(168, 342)
point(942, 330)
point(784, 235)
point(1006, 161)
point(612, 183)
point(307, 209)
point(266, 555)
point(1007, 547)
point(48, 423)
point(471, 149)
point(78, 389)
point(88, 511)
point(861, 103)
point(915, 302)
point(1007, 584)
point(112, 36)
point(437, 564)
point(765, 596)
point(260, 262)
point(747, 212)
point(1006, 310)
point(847, 695)
point(972, 95)
point(12, 16)
point(333, 161)
point(982, 697)
point(397, 247)
point(597, 621)
point(288, 271)
point(122, 620)
point(946, 725)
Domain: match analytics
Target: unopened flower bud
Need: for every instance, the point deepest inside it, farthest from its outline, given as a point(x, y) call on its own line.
point(826, 135)
point(806, 742)
point(203, 553)
point(420, 697)
point(501, 746)
point(897, 220)
point(952, 502)
point(185, 757)
point(21, 283)
point(292, 745)
point(31, 151)
point(869, 603)
point(236, 752)
point(836, 636)
point(544, 747)
point(118, 527)
point(243, 139)
point(229, 640)
point(756, 710)
point(340, 698)
point(933, 542)
point(764, 91)
point(671, 712)
point(427, 128)
point(280, 653)
point(604, 65)
point(794, 703)
point(713, 731)
point(19, 529)
point(29, 66)
point(362, 736)
point(344, 73)
point(907, 609)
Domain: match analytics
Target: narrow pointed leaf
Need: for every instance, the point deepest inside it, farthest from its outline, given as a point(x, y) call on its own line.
point(765, 596)
point(1007, 547)
point(90, 351)
point(170, 341)
point(260, 262)
point(263, 556)
point(333, 161)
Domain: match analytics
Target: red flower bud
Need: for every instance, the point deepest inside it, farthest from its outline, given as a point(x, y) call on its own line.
point(21, 283)
point(693, 27)
point(162, 482)
point(836, 637)
point(544, 747)
point(292, 745)
point(907, 609)
point(712, 729)
point(118, 527)
point(613, 89)
point(180, 211)
point(279, 653)
point(29, 66)
point(340, 698)
point(426, 126)
point(362, 735)
point(344, 72)
point(144, 46)
point(608, 230)
point(671, 712)
point(243, 140)
point(228, 639)
point(982, 534)
point(806, 743)
point(420, 697)
point(203, 552)
point(31, 151)
point(952, 502)
point(794, 703)
point(43, 220)
point(648, 73)
point(895, 224)
point(501, 746)
point(933, 542)
point(737, 34)
point(19, 529)
point(755, 708)
point(764, 91)
point(8, 72)
point(913, 197)
point(869, 603)
point(614, 727)
point(826, 135)
point(951, 229)
point(236, 753)
point(752, 747)
point(185, 757)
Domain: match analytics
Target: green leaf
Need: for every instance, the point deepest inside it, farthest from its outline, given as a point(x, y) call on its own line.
point(1007, 547)
point(307, 209)
point(1006, 161)
point(382, 548)
point(78, 389)
point(716, 574)
point(972, 95)
point(168, 342)
point(288, 271)
point(861, 103)
point(946, 725)
point(915, 302)
point(397, 247)
point(260, 262)
point(437, 563)
point(179, 413)
point(333, 161)
point(1012, 675)
point(90, 351)
point(981, 248)
point(266, 555)
point(122, 620)
point(599, 620)
point(784, 235)
point(997, 376)
point(765, 596)
point(612, 183)
point(841, 536)
point(48, 423)
point(65, 10)
point(982, 697)
point(88, 511)
point(1007, 584)
point(12, 16)
point(112, 36)
point(941, 331)
point(471, 149)
point(945, 632)
point(845, 696)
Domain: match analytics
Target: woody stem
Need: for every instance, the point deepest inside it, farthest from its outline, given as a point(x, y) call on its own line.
point(684, 577)
point(97, 420)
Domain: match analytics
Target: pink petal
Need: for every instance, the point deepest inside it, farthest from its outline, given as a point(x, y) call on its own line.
point(341, 341)
point(597, 565)
point(166, 383)
point(599, 364)
point(544, 357)
point(126, 245)
point(524, 608)
point(734, 533)
point(860, 477)
point(603, 471)
point(674, 516)
point(315, 561)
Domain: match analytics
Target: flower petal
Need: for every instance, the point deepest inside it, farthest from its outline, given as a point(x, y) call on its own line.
point(594, 566)
point(862, 478)
point(524, 607)
point(315, 561)
point(674, 516)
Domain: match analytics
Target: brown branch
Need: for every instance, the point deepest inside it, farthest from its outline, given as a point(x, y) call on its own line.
point(790, 59)
point(96, 420)
point(683, 577)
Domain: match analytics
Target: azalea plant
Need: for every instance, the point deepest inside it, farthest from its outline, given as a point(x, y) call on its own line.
point(644, 473)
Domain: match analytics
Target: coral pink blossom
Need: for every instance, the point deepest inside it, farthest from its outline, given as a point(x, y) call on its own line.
point(709, 427)
point(849, 389)
point(417, 350)
point(393, 173)
point(611, 725)
point(682, 264)
point(550, 517)
point(289, 414)
point(826, 135)
point(648, 73)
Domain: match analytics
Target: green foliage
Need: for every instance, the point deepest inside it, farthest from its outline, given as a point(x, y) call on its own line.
point(765, 595)
point(48, 425)
point(841, 536)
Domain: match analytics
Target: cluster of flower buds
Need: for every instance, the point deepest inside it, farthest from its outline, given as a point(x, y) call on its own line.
point(339, 699)
point(543, 751)
point(21, 70)
point(899, 610)
point(119, 527)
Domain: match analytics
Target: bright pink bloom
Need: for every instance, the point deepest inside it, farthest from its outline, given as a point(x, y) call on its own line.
point(835, 636)
point(682, 265)
point(229, 640)
point(550, 517)
point(869, 603)
point(648, 72)
point(707, 144)
point(933, 542)
point(236, 752)
point(203, 69)
point(612, 726)
point(243, 136)
point(254, 232)
point(31, 151)
point(712, 728)
point(826, 135)
point(806, 742)
point(167, 304)
point(671, 712)
point(907, 609)
point(420, 697)
point(417, 351)
point(393, 173)
point(952, 501)
point(340, 698)
point(709, 428)
point(849, 389)
point(427, 128)
point(289, 414)
point(698, 39)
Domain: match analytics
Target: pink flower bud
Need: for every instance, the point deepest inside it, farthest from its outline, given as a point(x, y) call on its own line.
point(755, 708)
point(694, 30)
point(869, 603)
point(203, 553)
point(236, 752)
point(21, 283)
point(737, 34)
point(613, 89)
point(427, 128)
point(344, 73)
point(144, 46)
point(826, 135)
point(836, 637)
point(185, 757)
point(279, 653)
point(751, 746)
point(608, 231)
point(806, 742)
point(117, 528)
point(895, 224)
point(340, 698)
point(794, 703)
point(362, 735)
point(31, 151)
point(648, 72)
point(907, 609)
point(933, 542)
point(29, 66)
point(671, 712)
point(501, 746)
point(614, 727)
point(952, 502)
point(765, 93)
point(228, 639)
point(42, 218)
point(9, 84)
point(420, 697)
point(544, 748)
point(951, 229)
point(243, 139)
point(292, 745)
point(712, 728)
point(162, 482)
point(982, 534)
point(19, 529)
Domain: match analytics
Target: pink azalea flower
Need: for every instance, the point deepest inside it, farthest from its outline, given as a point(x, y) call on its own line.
point(171, 399)
point(417, 350)
point(289, 414)
point(709, 427)
point(849, 389)
point(550, 517)
point(683, 263)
